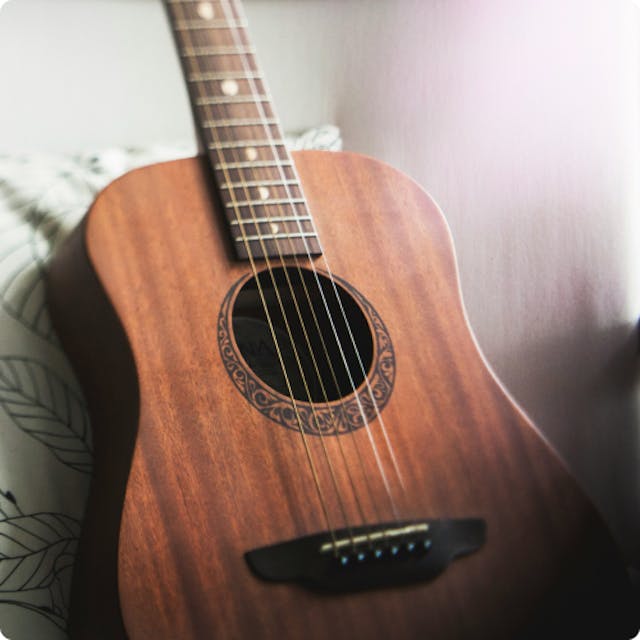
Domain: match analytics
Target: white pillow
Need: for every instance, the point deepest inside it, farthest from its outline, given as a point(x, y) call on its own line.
point(45, 436)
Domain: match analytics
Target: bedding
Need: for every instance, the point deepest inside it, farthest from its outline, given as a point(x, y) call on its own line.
point(45, 434)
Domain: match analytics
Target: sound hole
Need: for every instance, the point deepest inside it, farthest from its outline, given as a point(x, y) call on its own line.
point(324, 340)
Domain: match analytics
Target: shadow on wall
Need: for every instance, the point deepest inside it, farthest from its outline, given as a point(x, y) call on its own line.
point(584, 387)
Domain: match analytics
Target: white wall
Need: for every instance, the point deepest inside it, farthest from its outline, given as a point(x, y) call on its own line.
point(83, 74)
point(520, 116)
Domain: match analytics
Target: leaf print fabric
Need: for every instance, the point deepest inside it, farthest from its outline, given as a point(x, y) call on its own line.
point(45, 435)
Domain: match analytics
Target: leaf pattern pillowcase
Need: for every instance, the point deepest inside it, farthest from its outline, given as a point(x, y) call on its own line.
point(45, 435)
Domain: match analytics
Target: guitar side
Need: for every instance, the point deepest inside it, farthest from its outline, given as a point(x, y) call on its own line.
point(189, 476)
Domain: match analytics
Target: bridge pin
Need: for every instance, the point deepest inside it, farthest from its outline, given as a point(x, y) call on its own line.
point(378, 553)
point(427, 544)
point(344, 560)
point(394, 550)
point(361, 556)
point(411, 546)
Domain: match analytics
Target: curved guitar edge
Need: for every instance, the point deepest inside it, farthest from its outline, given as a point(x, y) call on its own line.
point(94, 341)
point(99, 350)
point(462, 309)
point(602, 587)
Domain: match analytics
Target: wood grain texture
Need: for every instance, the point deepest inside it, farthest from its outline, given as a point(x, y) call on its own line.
point(211, 478)
point(238, 125)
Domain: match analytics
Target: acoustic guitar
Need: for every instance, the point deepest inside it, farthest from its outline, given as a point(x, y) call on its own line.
point(296, 434)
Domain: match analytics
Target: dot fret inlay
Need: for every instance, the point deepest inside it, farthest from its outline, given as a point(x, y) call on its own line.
point(229, 87)
point(206, 11)
point(256, 179)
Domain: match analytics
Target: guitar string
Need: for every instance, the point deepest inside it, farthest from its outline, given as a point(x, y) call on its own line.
point(270, 324)
point(247, 194)
point(311, 352)
point(340, 407)
point(347, 466)
point(293, 344)
point(333, 327)
point(345, 319)
point(240, 12)
point(284, 315)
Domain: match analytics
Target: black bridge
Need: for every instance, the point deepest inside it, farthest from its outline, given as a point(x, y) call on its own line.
point(369, 557)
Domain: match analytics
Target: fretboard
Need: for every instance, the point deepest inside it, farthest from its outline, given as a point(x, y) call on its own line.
point(258, 185)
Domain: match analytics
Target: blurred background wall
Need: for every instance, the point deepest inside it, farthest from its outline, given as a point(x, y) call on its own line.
point(519, 116)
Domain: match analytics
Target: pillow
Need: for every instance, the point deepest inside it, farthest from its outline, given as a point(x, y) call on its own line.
point(45, 435)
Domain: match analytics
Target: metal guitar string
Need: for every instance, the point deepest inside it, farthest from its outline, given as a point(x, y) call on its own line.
point(293, 343)
point(347, 466)
point(274, 336)
point(329, 316)
point(284, 182)
point(266, 123)
point(247, 194)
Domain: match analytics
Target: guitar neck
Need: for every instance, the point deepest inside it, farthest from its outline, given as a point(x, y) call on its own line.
point(257, 182)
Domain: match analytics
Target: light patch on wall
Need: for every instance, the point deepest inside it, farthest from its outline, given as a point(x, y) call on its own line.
point(2, 3)
point(633, 99)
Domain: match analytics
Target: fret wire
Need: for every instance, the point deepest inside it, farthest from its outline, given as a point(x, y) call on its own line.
point(220, 50)
point(251, 164)
point(203, 102)
point(193, 3)
point(239, 122)
point(195, 25)
point(262, 220)
point(263, 203)
point(277, 236)
point(241, 144)
point(258, 183)
point(223, 75)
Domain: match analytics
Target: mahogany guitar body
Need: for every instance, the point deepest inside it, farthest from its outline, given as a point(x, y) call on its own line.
point(190, 474)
